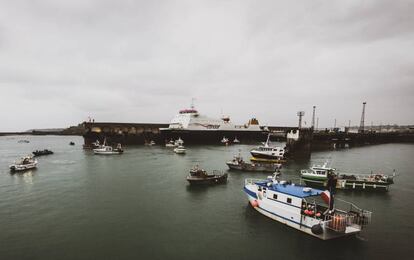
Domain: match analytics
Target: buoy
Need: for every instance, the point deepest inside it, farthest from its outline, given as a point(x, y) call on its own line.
point(254, 203)
point(318, 214)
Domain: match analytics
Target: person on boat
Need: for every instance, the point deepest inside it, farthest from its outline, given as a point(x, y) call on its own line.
point(331, 185)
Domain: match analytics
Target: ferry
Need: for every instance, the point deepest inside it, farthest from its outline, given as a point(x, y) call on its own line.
point(304, 209)
point(318, 175)
point(194, 127)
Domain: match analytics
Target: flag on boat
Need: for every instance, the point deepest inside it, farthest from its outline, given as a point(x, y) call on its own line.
point(326, 196)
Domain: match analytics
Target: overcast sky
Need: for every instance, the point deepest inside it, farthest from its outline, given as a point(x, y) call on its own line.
point(141, 61)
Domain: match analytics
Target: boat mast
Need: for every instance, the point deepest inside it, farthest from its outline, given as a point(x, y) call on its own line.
point(267, 141)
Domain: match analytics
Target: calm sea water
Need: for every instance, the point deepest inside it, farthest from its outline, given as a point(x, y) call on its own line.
point(77, 205)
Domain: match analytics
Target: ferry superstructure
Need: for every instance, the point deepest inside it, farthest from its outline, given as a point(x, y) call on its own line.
point(193, 127)
point(301, 208)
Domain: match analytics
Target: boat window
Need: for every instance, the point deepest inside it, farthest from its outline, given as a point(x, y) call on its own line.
point(275, 196)
point(259, 189)
point(289, 200)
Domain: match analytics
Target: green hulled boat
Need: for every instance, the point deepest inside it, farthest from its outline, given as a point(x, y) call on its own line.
point(317, 176)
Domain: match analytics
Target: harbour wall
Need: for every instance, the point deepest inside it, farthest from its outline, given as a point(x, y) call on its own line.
point(124, 133)
point(139, 133)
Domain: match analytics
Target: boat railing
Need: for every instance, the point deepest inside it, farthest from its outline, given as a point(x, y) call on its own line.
point(354, 214)
point(339, 221)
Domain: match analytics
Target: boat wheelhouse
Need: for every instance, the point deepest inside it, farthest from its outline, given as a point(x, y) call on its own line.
point(302, 208)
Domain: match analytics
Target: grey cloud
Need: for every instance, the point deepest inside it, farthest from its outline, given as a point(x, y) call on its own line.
point(246, 58)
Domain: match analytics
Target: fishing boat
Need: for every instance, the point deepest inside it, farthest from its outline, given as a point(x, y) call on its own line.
point(318, 175)
point(200, 176)
point(180, 150)
point(25, 163)
point(108, 150)
point(309, 210)
point(268, 152)
point(42, 152)
point(239, 164)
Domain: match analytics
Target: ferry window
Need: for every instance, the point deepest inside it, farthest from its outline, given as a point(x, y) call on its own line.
point(275, 196)
point(289, 200)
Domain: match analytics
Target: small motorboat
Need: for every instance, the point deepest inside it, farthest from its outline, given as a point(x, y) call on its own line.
point(268, 152)
point(24, 141)
point(200, 176)
point(25, 163)
point(92, 146)
point(239, 164)
point(224, 140)
point(178, 142)
point(108, 150)
point(170, 143)
point(236, 141)
point(150, 143)
point(42, 152)
point(72, 143)
point(180, 150)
